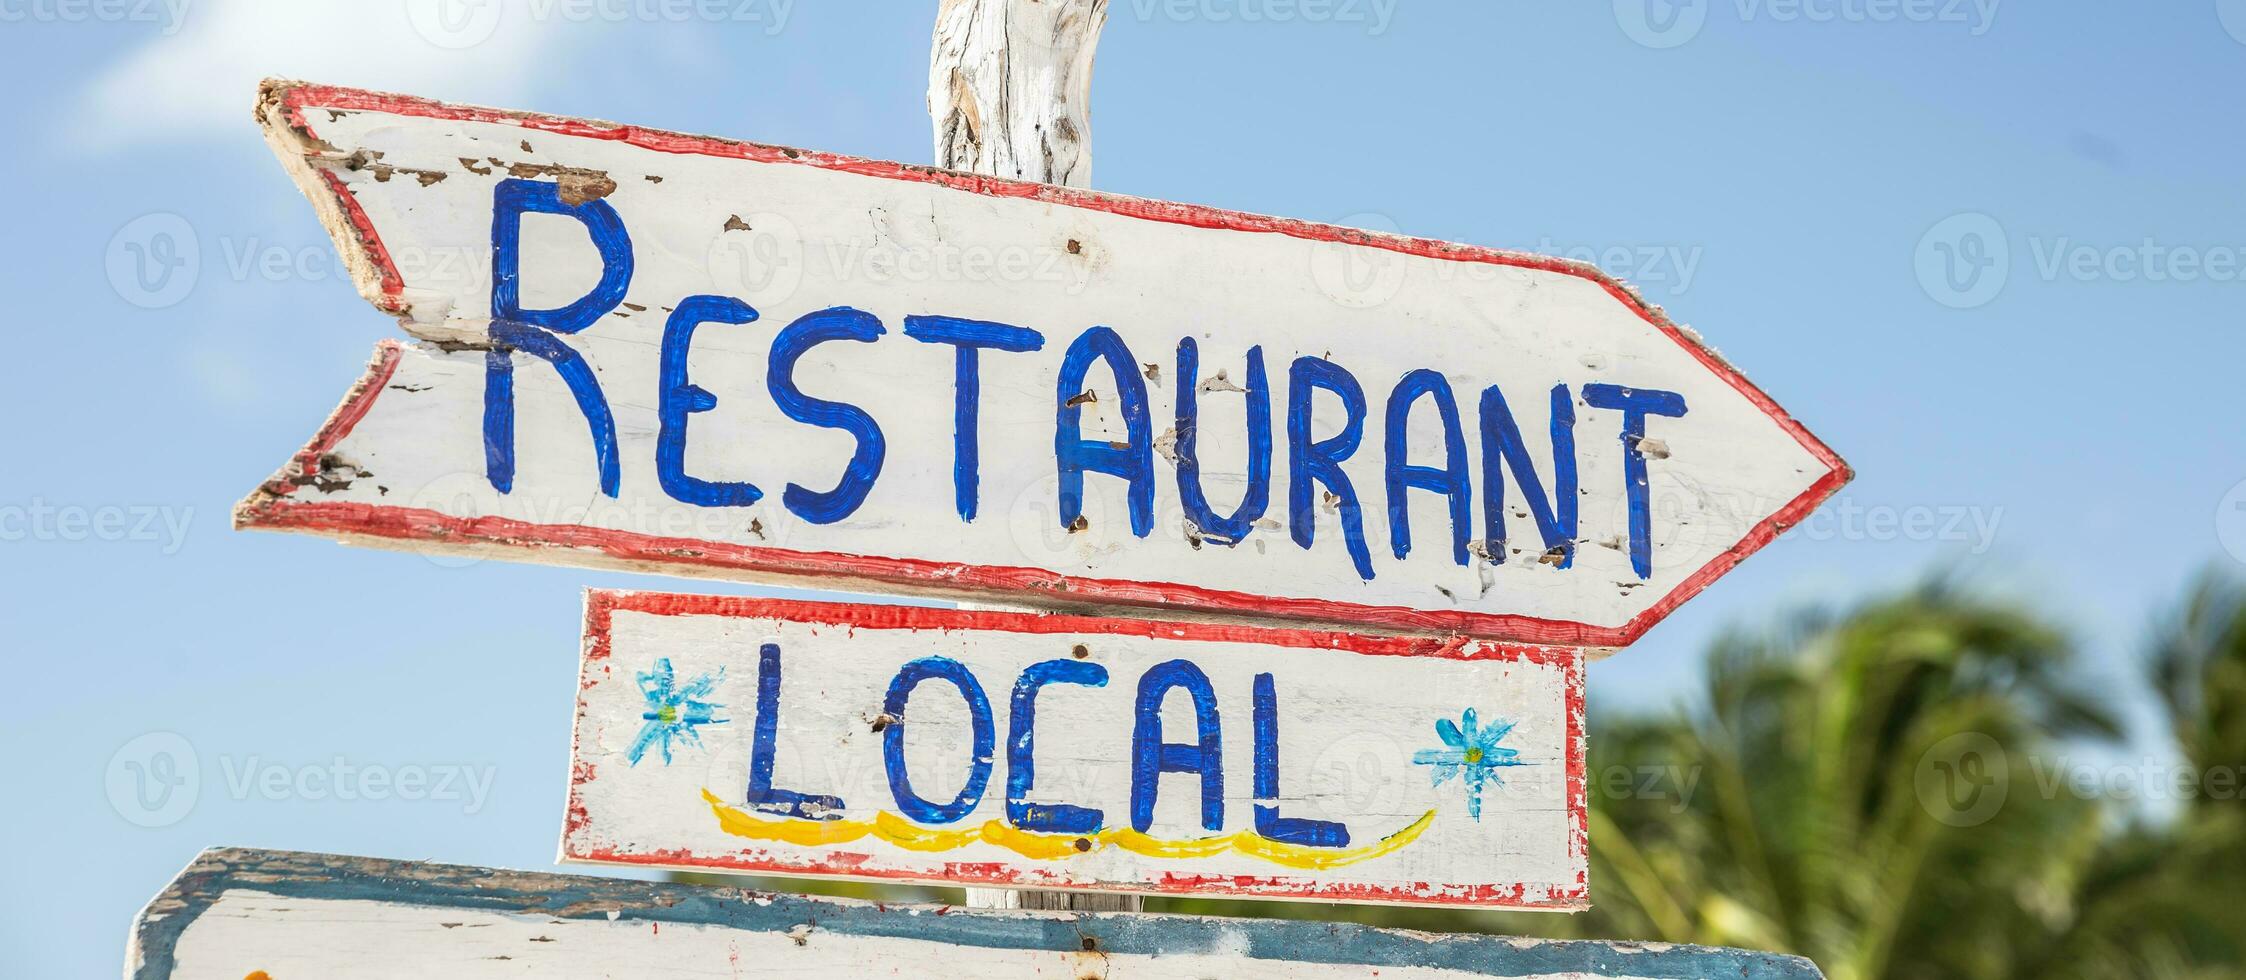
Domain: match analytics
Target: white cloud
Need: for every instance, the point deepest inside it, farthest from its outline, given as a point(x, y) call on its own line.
point(201, 82)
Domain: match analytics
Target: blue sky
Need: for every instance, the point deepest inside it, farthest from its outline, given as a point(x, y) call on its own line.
point(1952, 238)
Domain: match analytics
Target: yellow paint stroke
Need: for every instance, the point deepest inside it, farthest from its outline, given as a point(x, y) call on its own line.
point(1050, 847)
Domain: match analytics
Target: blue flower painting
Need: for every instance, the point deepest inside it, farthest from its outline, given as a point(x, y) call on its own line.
point(1472, 752)
point(674, 713)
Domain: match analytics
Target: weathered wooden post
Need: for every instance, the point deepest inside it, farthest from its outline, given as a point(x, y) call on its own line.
point(1009, 88)
point(1009, 91)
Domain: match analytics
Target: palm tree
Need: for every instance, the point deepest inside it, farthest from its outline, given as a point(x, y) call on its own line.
point(1860, 793)
point(2168, 899)
point(1879, 790)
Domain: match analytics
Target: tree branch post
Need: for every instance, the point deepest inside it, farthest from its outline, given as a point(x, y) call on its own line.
point(1009, 88)
point(1009, 93)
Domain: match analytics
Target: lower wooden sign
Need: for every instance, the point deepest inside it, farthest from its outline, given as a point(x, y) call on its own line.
point(1054, 751)
point(283, 916)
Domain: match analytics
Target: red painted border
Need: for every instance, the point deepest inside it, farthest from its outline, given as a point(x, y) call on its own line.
point(1042, 585)
point(601, 605)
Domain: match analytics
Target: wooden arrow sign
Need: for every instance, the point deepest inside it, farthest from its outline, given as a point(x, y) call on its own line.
point(1020, 750)
point(280, 915)
point(652, 351)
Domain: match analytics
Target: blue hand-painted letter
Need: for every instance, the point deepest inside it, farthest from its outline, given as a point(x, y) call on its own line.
point(1021, 761)
point(1635, 404)
point(1133, 460)
point(808, 331)
point(537, 332)
point(970, 337)
point(679, 398)
point(1151, 756)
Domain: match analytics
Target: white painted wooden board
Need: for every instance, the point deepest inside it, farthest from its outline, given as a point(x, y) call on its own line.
point(1680, 466)
point(286, 916)
point(1020, 750)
